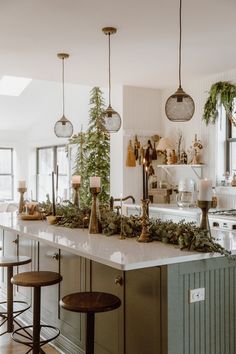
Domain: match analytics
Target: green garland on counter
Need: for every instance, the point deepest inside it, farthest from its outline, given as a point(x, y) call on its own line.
point(185, 235)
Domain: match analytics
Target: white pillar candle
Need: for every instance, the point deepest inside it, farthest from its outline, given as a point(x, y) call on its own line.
point(76, 179)
point(95, 182)
point(205, 189)
point(21, 184)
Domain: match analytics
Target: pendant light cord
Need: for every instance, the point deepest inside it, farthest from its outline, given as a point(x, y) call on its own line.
point(180, 39)
point(63, 91)
point(109, 66)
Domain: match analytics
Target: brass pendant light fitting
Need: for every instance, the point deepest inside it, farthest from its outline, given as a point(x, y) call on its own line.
point(63, 127)
point(180, 106)
point(112, 119)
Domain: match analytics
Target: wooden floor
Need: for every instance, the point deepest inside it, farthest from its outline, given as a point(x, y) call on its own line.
point(8, 346)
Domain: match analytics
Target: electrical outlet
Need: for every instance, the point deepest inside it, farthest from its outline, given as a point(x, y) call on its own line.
point(196, 295)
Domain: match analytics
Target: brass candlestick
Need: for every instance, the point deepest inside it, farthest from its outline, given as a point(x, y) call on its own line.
point(21, 190)
point(94, 222)
point(205, 205)
point(76, 187)
point(145, 235)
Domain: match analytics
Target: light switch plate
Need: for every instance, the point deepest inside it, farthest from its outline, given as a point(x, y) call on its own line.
point(196, 295)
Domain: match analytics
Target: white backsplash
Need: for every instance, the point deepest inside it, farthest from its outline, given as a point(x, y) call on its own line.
point(226, 197)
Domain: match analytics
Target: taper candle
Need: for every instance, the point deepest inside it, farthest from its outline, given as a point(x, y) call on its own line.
point(53, 196)
point(144, 178)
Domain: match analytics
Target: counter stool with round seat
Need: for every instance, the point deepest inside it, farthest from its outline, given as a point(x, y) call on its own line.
point(11, 308)
point(90, 303)
point(35, 279)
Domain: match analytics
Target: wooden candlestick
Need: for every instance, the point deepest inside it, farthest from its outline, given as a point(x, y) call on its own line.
point(21, 190)
point(94, 222)
point(76, 187)
point(204, 205)
point(145, 235)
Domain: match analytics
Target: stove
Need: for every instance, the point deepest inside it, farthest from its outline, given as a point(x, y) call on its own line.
point(223, 219)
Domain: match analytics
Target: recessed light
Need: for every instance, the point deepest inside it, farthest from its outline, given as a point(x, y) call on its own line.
point(13, 86)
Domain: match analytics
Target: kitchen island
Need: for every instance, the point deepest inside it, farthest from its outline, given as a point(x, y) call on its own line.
point(153, 281)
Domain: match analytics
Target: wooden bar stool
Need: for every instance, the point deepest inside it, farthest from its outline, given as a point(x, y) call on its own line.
point(10, 309)
point(35, 280)
point(90, 303)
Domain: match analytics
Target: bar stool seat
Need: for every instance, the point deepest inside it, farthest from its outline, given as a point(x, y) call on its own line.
point(10, 308)
point(90, 303)
point(30, 335)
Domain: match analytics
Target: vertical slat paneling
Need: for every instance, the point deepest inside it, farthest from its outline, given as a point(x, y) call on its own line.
point(209, 327)
point(196, 315)
point(202, 327)
point(227, 310)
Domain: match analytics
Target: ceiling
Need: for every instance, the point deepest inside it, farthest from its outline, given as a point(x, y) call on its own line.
point(144, 50)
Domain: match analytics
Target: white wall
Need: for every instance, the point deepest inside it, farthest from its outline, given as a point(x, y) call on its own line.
point(142, 116)
point(199, 92)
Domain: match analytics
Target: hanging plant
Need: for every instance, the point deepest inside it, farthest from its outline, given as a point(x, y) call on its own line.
point(226, 92)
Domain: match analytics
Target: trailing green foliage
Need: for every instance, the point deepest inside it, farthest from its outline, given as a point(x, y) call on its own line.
point(185, 235)
point(226, 92)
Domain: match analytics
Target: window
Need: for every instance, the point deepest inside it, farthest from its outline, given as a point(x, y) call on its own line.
point(6, 174)
point(52, 158)
point(230, 147)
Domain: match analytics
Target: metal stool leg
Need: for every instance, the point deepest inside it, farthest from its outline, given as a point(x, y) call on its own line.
point(90, 333)
point(9, 300)
point(36, 321)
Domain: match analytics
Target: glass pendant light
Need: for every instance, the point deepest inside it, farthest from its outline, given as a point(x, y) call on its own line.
point(112, 120)
point(63, 127)
point(180, 106)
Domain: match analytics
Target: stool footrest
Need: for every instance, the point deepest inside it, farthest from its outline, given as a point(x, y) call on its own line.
point(18, 308)
point(24, 335)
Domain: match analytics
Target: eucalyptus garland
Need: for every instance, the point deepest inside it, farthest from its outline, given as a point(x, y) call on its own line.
point(226, 92)
point(185, 235)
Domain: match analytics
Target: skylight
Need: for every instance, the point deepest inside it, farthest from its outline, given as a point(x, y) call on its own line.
point(13, 86)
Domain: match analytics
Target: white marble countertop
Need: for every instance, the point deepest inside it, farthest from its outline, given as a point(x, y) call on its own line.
point(166, 208)
point(110, 250)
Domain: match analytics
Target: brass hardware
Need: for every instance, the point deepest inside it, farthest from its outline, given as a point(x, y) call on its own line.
point(119, 280)
point(109, 30)
point(56, 256)
point(145, 235)
point(112, 200)
point(21, 201)
point(205, 205)
point(63, 55)
point(16, 241)
point(94, 223)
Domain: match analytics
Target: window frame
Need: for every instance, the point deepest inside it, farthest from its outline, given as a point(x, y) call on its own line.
point(12, 172)
point(54, 152)
point(228, 141)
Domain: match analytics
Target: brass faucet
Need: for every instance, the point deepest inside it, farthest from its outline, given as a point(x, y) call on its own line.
point(112, 200)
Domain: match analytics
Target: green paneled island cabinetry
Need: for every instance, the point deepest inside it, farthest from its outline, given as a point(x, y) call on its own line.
point(157, 283)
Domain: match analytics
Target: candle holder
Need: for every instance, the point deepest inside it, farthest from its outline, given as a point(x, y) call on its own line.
point(145, 235)
point(94, 222)
point(204, 205)
point(21, 190)
point(76, 187)
point(122, 235)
